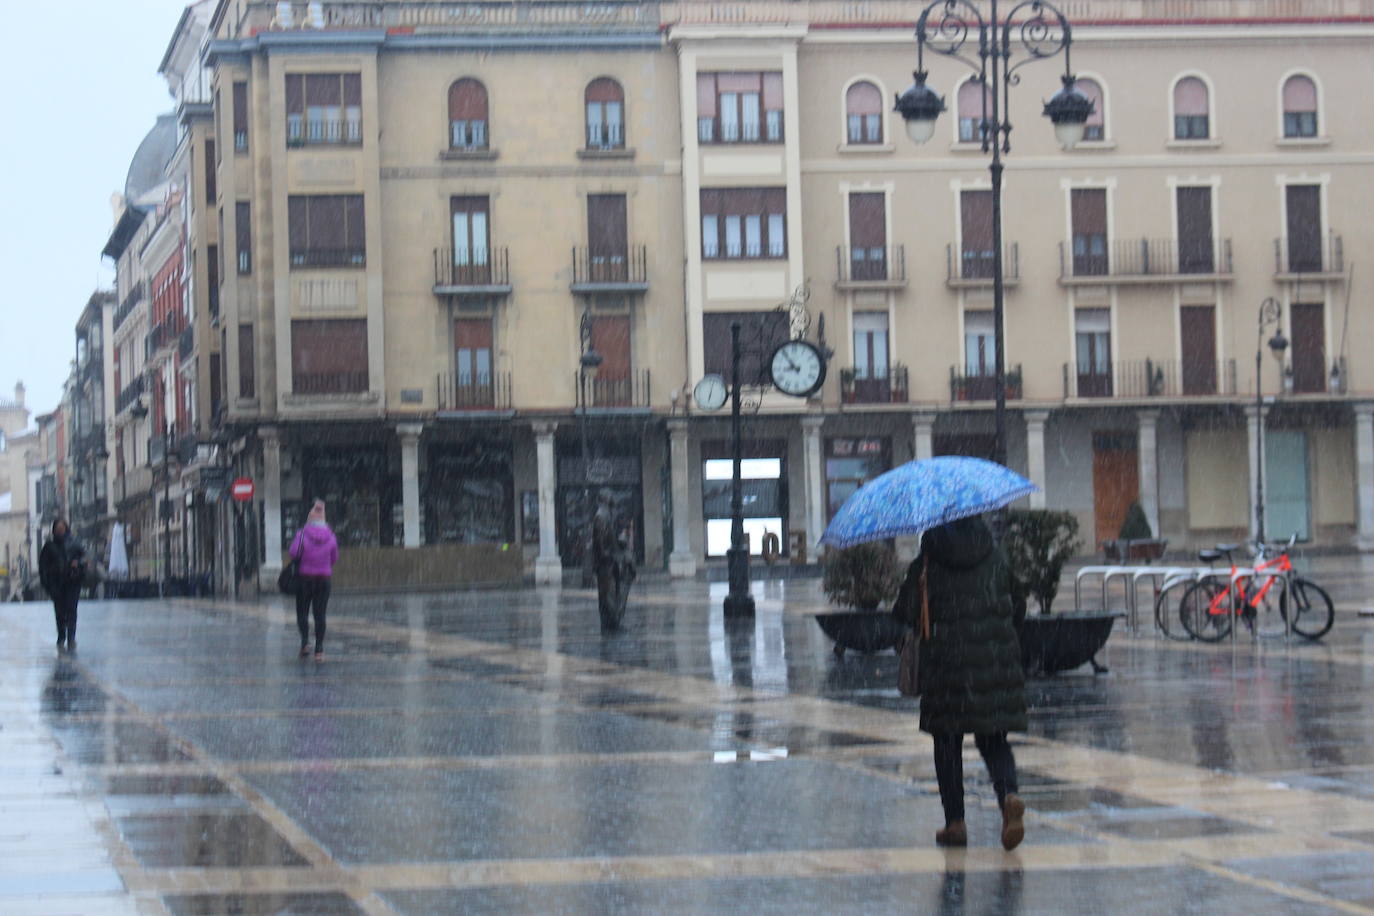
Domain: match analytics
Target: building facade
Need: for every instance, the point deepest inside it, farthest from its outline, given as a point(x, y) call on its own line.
point(428, 214)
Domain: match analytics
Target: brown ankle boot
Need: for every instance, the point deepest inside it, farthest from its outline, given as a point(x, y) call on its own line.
point(952, 834)
point(1013, 829)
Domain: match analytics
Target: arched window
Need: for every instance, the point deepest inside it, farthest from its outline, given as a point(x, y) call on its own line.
point(1096, 128)
point(467, 114)
point(974, 104)
point(863, 108)
point(605, 114)
point(1299, 107)
point(1190, 109)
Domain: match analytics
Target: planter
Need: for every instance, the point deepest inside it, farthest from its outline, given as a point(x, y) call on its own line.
point(1058, 642)
point(1141, 549)
point(861, 631)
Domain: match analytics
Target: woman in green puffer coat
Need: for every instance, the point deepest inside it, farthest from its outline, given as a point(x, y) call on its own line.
point(970, 676)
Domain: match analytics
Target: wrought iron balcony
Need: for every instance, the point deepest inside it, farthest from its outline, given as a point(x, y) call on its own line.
point(614, 272)
point(186, 342)
point(866, 389)
point(628, 390)
point(136, 293)
point(461, 392)
point(1149, 261)
point(329, 257)
point(1301, 257)
point(129, 394)
point(870, 268)
point(477, 272)
point(1149, 378)
point(188, 448)
point(329, 382)
point(982, 386)
point(973, 266)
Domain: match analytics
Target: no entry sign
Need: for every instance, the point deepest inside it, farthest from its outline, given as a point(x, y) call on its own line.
point(242, 489)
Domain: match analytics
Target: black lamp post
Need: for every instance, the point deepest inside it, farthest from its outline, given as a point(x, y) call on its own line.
point(947, 27)
point(588, 363)
point(738, 602)
point(1270, 312)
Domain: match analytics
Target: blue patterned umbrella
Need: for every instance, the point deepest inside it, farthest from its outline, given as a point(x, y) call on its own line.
point(921, 495)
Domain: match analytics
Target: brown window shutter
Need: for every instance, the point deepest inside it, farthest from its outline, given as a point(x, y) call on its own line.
point(867, 223)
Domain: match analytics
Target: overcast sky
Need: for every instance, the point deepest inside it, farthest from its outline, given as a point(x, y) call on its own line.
point(82, 89)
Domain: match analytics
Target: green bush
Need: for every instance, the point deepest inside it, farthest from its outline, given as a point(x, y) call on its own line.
point(1038, 543)
point(1136, 527)
point(864, 576)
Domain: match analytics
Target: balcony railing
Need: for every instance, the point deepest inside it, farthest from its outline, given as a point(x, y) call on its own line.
point(973, 266)
point(866, 389)
point(186, 342)
point(262, 15)
point(628, 390)
point(329, 257)
point(130, 301)
point(982, 386)
point(188, 448)
point(479, 271)
point(1148, 378)
point(597, 271)
point(1150, 259)
point(129, 394)
point(157, 451)
point(164, 334)
point(323, 131)
point(1309, 255)
point(858, 267)
point(329, 382)
point(469, 391)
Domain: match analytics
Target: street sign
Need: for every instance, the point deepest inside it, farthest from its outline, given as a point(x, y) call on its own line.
point(242, 490)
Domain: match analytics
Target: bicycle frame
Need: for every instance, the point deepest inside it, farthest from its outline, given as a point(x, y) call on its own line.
point(1218, 606)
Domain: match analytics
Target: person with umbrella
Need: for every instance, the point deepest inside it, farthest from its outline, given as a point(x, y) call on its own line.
point(957, 593)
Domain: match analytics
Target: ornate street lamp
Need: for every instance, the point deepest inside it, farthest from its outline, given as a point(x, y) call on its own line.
point(1270, 312)
point(949, 27)
point(588, 364)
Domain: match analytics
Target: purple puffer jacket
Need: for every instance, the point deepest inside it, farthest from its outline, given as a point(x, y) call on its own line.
point(317, 549)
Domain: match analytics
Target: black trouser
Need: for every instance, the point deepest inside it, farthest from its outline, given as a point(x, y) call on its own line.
point(608, 596)
point(64, 609)
point(311, 592)
point(949, 769)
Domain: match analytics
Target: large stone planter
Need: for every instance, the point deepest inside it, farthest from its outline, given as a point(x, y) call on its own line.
point(861, 631)
point(1059, 642)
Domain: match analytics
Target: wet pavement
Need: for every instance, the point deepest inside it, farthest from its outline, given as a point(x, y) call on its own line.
point(492, 752)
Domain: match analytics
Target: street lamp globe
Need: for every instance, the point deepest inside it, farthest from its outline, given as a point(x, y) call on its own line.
point(1278, 344)
point(1068, 109)
point(920, 107)
point(591, 361)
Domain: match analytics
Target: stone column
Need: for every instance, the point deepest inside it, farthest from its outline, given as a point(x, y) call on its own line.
point(409, 434)
point(271, 504)
point(1252, 423)
point(923, 434)
point(1035, 454)
point(1364, 473)
point(815, 481)
point(548, 566)
point(1147, 454)
point(682, 562)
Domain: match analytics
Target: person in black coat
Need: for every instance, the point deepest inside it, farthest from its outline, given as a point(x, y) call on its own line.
point(970, 668)
point(61, 567)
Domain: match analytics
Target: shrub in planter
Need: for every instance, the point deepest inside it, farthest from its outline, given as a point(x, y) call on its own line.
point(1136, 527)
point(1038, 543)
point(863, 576)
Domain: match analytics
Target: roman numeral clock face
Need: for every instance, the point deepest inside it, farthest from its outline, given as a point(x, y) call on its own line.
point(797, 368)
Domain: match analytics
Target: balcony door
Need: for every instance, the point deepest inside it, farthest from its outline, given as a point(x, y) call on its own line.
point(606, 238)
point(1198, 344)
point(1195, 248)
point(1093, 345)
point(868, 236)
point(871, 383)
point(472, 362)
point(471, 240)
point(1088, 211)
point(980, 356)
point(975, 231)
point(1304, 228)
point(612, 386)
point(1308, 324)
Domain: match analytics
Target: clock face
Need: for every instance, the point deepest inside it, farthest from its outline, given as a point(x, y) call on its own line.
point(710, 392)
point(798, 368)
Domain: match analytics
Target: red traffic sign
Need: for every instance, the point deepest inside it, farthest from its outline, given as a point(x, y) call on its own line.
point(242, 489)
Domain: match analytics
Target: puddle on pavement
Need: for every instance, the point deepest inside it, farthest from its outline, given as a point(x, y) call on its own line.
point(178, 840)
point(261, 905)
point(116, 741)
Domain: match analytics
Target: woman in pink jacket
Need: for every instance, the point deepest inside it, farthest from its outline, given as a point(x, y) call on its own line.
point(317, 550)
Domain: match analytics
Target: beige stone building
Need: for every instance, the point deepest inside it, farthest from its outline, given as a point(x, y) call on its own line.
point(429, 212)
point(17, 444)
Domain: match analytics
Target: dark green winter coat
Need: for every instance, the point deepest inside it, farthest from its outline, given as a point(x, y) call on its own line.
point(971, 678)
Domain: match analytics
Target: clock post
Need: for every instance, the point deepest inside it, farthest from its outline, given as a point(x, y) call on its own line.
point(738, 603)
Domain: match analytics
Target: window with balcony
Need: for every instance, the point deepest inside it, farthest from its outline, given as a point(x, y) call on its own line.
point(243, 236)
point(1196, 250)
point(326, 230)
point(1088, 214)
point(768, 329)
point(868, 236)
point(240, 117)
point(247, 374)
point(605, 106)
point(863, 109)
point(975, 235)
point(1304, 218)
point(739, 107)
point(472, 363)
point(979, 355)
point(329, 356)
point(870, 357)
point(607, 245)
point(1191, 107)
point(467, 115)
point(324, 109)
point(1096, 127)
point(739, 223)
point(613, 384)
point(974, 104)
point(1093, 347)
point(1198, 346)
point(1307, 321)
point(471, 217)
point(1299, 107)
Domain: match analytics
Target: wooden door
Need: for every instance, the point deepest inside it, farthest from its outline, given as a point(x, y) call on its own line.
point(1088, 210)
point(472, 346)
point(1308, 323)
point(1304, 228)
point(868, 236)
point(606, 237)
point(611, 338)
point(1198, 330)
point(471, 240)
point(1116, 481)
point(1195, 231)
point(975, 227)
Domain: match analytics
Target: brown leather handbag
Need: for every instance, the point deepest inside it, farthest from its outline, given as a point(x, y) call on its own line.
point(909, 663)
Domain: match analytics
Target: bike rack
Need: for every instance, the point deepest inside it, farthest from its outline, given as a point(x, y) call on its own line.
point(1107, 573)
point(1171, 575)
point(1252, 573)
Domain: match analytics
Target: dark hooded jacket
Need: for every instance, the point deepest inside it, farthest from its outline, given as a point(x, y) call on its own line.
point(971, 677)
point(55, 570)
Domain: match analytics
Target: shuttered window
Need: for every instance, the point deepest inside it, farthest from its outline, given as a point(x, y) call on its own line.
point(240, 103)
point(243, 236)
point(605, 114)
point(1299, 107)
point(743, 223)
point(760, 332)
point(1088, 212)
point(467, 115)
point(326, 230)
point(247, 376)
point(329, 356)
point(1190, 109)
point(975, 227)
point(736, 107)
point(863, 106)
point(324, 108)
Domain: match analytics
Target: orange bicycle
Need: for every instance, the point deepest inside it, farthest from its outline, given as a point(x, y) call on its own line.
point(1208, 607)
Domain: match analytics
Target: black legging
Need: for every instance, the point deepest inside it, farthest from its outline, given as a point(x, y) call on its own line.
point(311, 591)
point(64, 610)
point(949, 769)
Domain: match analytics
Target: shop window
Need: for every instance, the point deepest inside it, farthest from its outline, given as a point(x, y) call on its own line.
point(469, 495)
point(761, 480)
point(849, 464)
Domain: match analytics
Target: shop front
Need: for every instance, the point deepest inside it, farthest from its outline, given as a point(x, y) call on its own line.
point(467, 492)
point(613, 466)
point(763, 486)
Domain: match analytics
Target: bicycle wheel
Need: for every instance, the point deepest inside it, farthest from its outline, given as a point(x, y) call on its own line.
point(1315, 612)
point(1265, 614)
point(1199, 617)
point(1164, 601)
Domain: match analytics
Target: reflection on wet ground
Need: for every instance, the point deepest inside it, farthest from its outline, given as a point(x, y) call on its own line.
point(492, 752)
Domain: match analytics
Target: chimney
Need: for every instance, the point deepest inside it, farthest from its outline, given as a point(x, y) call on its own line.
point(19, 394)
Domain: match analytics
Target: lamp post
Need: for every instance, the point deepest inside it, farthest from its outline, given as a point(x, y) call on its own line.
point(588, 363)
point(1270, 312)
point(948, 27)
point(738, 602)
